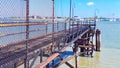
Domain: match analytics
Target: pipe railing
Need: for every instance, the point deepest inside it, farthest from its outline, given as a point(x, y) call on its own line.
point(46, 30)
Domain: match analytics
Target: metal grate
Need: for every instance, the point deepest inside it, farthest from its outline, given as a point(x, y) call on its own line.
point(12, 12)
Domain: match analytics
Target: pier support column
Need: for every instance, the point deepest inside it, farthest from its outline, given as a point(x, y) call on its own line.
point(26, 63)
point(15, 65)
point(75, 50)
point(97, 40)
point(41, 55)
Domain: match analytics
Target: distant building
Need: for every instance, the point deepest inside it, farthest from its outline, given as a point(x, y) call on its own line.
point(117, 19)
point(35, 17)
point(76, 18)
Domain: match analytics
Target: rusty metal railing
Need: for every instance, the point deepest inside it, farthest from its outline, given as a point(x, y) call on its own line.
point(40, 27)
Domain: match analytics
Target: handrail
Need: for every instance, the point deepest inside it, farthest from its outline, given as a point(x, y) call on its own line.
point(2, 35)
point(24, 40)
point(23, 24)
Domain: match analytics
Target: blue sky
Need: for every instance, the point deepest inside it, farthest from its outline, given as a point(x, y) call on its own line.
point(87, 8)
point(82, 8)
point(12, 8)
point(41, 7)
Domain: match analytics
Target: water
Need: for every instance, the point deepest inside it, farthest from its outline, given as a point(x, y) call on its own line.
point(110, 37)
point(110, 45)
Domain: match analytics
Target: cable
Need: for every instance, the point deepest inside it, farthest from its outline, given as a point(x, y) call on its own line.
point(61, 8)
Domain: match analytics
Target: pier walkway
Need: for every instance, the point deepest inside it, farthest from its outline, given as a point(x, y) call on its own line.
point(24, 38)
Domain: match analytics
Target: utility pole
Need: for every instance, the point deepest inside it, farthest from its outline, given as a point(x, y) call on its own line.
point(52, 29)
point(70, 15)
point(52, 23)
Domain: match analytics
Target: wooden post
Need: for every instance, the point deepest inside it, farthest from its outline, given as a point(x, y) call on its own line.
point(47, 66)
point(41, 55)
point(26, 63)
point(87, 41)
point(46, 28)
point(15, 66)
point(75, 49)
point(97, 40)
point(81, 42)
point(57, 26)
point(76, 61)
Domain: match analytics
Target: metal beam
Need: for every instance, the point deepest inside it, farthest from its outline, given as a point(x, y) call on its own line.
point(65, 61)
point(48, 60)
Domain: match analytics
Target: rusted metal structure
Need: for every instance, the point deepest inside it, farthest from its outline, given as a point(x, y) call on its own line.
point(49, 45)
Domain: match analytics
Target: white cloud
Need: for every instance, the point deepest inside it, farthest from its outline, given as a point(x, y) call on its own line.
point(90, 3)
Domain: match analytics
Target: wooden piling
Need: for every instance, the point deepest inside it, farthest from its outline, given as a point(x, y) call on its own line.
point(26, 63)
point(41, 55)
point(97, 40)
point(15, 65)
point(75, 50)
